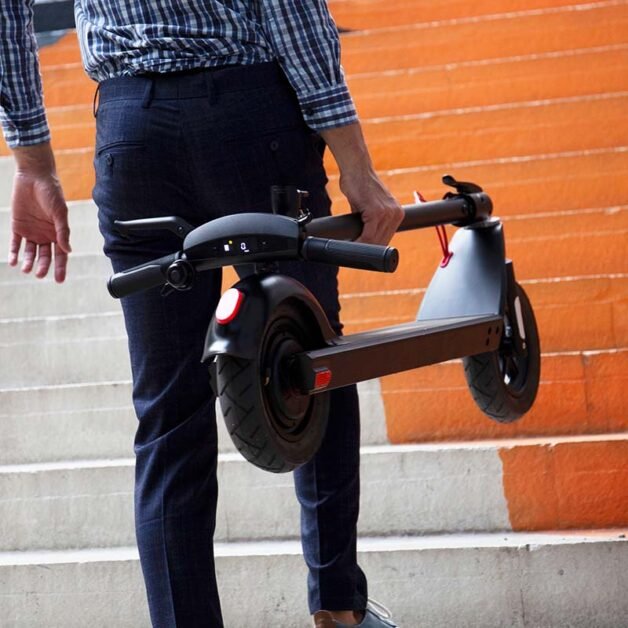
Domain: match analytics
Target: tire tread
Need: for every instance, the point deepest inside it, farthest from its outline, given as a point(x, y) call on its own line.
point(238, 408)
point(485, 381)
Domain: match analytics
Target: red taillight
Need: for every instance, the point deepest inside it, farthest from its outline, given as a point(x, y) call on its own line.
point(229, 306)
point(322, 378)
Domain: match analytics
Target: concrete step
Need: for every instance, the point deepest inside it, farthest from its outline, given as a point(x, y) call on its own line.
point(523, 128)
point(493, 36)
point(67, 422)
point(96, 421)
point(409, 489)
point(7, 170)
point(69, 115)
point(489, 82)
point(79, 294)
point(522, 184)
point(492, 87)
point(406, 490)
point(58, 351)
point(380, 14)
point(581, 392)
point(549, 580)
point(64, 50)
point(83, 292)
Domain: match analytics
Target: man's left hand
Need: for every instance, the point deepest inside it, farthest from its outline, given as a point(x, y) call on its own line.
point(39, 214)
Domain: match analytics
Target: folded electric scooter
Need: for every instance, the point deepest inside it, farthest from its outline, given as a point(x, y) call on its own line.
point(272, 354)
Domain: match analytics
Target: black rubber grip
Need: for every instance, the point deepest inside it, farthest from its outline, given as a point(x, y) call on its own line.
point(140, 277)
point(383, 259)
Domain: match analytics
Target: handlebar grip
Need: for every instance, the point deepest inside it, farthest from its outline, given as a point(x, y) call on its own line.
point(351, 254)
point(140, 278)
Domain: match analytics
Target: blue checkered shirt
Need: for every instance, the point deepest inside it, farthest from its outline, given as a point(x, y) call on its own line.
point(127, 37)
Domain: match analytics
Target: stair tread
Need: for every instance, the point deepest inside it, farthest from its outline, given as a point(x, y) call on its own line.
point(378, 14)
point(365, 544)
point(520, 484)
point(366, 451)
point(544, 580)
point(498, 34)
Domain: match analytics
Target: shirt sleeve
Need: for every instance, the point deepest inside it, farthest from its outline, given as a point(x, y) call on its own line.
point(22, 114)
point(305, 41)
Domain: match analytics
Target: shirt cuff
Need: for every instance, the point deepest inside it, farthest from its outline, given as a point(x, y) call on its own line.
point(25, 128)
point(328, 108)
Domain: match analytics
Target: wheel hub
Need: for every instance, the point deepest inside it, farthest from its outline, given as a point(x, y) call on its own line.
point(288, 407)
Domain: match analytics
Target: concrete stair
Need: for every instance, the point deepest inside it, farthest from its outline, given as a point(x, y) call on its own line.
point(465, 522)
point(95, 420)
point(407, 490)
point(493, 580)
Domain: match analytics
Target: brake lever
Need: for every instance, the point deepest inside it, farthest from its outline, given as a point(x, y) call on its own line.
point(174, 224)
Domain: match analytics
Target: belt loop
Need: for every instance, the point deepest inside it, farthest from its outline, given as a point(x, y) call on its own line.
point(96, 102)
point(149, 93)
point(212, 88)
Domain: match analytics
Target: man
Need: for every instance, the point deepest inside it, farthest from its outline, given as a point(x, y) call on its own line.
point(203, 106)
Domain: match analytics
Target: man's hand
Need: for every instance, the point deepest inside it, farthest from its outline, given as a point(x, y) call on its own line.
point(39, 213)
point(381, 213)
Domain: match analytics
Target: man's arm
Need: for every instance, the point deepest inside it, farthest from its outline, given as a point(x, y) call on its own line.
point(306, 43)
point(38, 209)
point(381, 213)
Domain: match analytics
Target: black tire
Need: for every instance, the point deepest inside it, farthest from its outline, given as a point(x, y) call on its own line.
point(273, 425)
point(503, 383)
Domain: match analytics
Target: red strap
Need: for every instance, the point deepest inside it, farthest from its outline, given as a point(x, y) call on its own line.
point(441, 232)
point(444, 245)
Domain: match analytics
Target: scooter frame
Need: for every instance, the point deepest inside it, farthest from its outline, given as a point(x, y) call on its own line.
point(471, 306)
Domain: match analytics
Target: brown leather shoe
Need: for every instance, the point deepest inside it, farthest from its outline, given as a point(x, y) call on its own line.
point(324, 619)
point(376, 616)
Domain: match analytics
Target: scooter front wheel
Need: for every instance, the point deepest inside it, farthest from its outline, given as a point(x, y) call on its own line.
point(272, 424)
point(504, 382)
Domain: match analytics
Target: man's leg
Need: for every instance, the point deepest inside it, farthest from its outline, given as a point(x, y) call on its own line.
point(141, 173)
point(261, 136)
point(244, 136)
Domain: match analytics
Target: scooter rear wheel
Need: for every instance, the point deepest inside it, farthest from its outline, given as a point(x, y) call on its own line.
point(272, 424)
point(504, 383)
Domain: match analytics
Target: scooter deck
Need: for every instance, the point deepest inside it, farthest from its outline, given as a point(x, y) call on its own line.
point(380, 352)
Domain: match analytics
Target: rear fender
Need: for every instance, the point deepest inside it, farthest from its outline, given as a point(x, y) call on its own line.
point(242, 337)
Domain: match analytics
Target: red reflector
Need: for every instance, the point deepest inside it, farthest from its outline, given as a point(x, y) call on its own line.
point(229, 306)
point(322, 378)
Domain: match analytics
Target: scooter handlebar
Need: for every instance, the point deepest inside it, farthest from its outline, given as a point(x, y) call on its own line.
point(341, 251)
point(351, 254)
point(140, 278)
point(459, 210)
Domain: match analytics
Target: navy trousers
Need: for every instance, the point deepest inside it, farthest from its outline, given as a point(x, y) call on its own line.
point(201, 145)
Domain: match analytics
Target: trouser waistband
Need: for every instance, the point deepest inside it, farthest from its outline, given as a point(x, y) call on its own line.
point(198, 83)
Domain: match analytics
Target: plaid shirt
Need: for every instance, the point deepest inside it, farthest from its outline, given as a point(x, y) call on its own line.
point(127, 37)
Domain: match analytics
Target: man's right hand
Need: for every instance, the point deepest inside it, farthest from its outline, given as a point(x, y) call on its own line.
point(39, 214)
point(381, 213)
